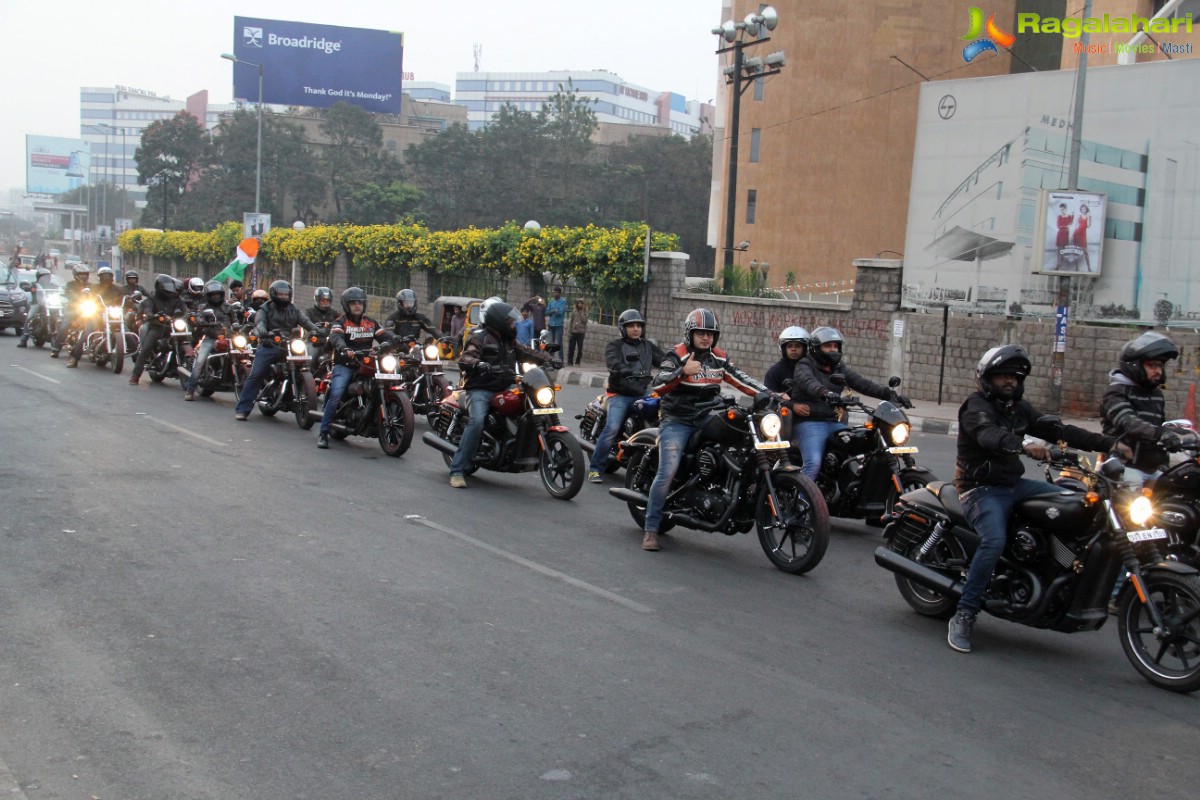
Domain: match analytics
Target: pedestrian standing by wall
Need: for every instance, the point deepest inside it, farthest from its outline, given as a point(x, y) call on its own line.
point(578, 327)
point(556, 316)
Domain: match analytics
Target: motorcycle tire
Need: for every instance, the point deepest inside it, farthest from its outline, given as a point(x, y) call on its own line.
point(1172, 661)
point(156, 375)
point(921, 599)
point(116, 358)
point(395, 429)
point(639, 474)
point(270, 400)
point(910, 481)
point(207, 391)
point(562, 465)
point(305, 401)
point(801, 545)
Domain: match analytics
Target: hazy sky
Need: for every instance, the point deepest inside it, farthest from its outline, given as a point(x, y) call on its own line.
point(173, 47)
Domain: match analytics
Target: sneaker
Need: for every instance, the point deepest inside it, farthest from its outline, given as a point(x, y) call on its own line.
point(594, 476)
point(189, 395)
point(72, 362)
point(458, 482)
point(54, 354)
point(959, 636)
point(241, 416)
point(650, 541)
point(323, 440)
point(134, 380)
point(23, 343)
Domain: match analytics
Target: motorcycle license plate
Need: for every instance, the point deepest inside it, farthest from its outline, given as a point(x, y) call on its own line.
point(1148, 535)
point(386, 376)
point(547, 411)
point(902, 450)
point(771, 445)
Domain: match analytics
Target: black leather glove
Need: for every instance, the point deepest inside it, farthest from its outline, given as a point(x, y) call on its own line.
point(1170, 441)
point(483, 370)
point(833, 398)
point(349, 354)
point(901, 400)
point(555, 364)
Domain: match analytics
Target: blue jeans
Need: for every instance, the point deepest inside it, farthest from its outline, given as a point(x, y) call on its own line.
point(556, 332)
point(478, 401)
point(339, 379)
point(673, 437)
point(987, 509)
point(810, 437)
point(618, 409)
point(264, 357)
point(203, 351)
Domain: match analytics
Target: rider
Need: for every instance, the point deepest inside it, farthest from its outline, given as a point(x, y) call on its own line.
point(813, 385)
point(992, 424)
point(131, 283)
point(406, 322)
point(194, 298)
point(222, 319)
point(793, 346)
point(163, 300)
point(278, 315)
point(352, 334)
point(322, 312)
point(689, 380)
point(109, 295)
point(631, 361)
point(71, 294)
point(258, 299)
point(41, 283)
point(1134, 407)
point(488, 361)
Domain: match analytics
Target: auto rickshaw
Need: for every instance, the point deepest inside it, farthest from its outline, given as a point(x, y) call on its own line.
point(443, 313)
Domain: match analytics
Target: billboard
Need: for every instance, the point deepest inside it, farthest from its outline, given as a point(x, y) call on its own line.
point(54, 165)
point(1072, 232)
point(317, 65)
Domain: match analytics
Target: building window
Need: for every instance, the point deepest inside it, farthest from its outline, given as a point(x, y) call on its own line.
point(751, 205)
point(755, 141)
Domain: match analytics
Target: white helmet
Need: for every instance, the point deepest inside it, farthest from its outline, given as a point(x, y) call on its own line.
point(792, 333)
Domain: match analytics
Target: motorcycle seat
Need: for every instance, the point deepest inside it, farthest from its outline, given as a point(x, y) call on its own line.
point(947, 494)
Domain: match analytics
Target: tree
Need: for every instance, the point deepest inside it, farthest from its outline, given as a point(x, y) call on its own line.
point(449, 170)
point(171, 154)
point(382, 205)
point(567, 123)
point(105, 202)
point(354, 156)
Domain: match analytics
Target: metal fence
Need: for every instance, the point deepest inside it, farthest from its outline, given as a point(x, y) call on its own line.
point(382, 282)
point(481, 285)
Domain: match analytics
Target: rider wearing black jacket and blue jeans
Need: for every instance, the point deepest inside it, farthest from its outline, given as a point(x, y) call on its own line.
point(279, 313)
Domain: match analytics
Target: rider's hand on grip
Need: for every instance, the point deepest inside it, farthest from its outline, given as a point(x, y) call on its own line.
point(1170, 441)
point(349, 354)
point(833, 398)
point(901, 400)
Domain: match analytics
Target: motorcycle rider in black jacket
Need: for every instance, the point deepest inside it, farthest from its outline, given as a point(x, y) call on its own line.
point(992, 425)
point(107, 293)
point(632, 361)
point(322, 313)
point(163, 300)
point(211, 325)
point(352, 334)
point(406, 321)
point(279, 314)
point(37, 302)
point(71, 294)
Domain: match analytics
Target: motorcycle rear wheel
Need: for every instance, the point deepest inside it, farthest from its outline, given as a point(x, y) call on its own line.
point(395, 430)
point(1170, 661)
point(635, 480)
point(117, 357)
point(921, 599)
point(910, 481)
point(805, 517)
point(305, 401)
point(562, 465)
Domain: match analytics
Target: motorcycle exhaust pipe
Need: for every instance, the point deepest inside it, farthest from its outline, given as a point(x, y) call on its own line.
point(588, 447)
point(628, 495)
point(893, 561)
point(438, 443)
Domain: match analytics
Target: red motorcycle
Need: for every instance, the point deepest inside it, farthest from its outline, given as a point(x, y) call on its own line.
point(375, 403)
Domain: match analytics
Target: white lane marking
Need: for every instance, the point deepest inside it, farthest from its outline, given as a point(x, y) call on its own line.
point(185, 430)
point(35, 374)
point(541, 569)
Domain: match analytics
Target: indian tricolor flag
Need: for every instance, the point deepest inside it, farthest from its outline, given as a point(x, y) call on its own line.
point(247, 251)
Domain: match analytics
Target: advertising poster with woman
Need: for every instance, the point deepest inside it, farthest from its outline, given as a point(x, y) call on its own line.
point(1073, 232)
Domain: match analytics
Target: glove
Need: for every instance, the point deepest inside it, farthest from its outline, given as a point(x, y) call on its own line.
point(1189, 441)
point(349, 354)
point(833, 398)
point(555, 364)
point(483, 370)
point(901, 400)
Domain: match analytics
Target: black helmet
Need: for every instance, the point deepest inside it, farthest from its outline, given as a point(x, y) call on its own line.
point(628, 317)
point(280, 292)
point(406, 299)
point(322, 293)
point(1149, 346)
point(131, 273)
point(825, 335)
point(215, 288)
point(701, 319)
point(166, 287)
point(1008, 359)
point(500, 318)
point(792, 333)
point(351, 294)
point(195, 286)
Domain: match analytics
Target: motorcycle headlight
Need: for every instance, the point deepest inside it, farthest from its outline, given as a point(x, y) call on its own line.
point(544, 396)
point(388, 363)
point(431, 352)
point(298, 347)
point(54, 301)
point(180, 325)
point(527, 365)
point(770, 426)
point(113, 313)
point(240, 341)
point(1141, 510)
point(88, 308)
point(900, 433)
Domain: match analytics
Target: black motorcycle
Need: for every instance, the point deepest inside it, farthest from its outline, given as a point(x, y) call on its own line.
point(1064, 553)
point(110, 343)
point(1176, 495)
point(289, 385)
point(868, 467)
point(735, 475)
point(228, 365)
point(174, 350)
point(374, 405)
point(643, 413)
point(44, 327)
point(424, 381)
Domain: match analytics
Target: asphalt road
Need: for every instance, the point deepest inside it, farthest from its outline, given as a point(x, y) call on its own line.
point(193, 607)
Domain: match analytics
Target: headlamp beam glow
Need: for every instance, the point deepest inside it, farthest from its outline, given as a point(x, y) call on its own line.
point(1141, 510)
point(388, 363)
point(298, 347)
point(900, 433)
point(179, 325)
point(544, 396)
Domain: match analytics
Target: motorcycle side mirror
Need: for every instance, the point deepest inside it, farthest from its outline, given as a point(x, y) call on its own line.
point(838, 379)
point(894, 381)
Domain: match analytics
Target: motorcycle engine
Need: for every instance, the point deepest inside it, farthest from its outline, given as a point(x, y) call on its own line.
point(355, 413)
point(706, 503)
point(708, 461)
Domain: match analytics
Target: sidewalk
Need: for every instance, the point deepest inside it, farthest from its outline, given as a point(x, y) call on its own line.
point(926, 415)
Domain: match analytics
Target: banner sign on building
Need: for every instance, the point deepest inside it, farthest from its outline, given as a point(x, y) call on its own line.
point(1072, 232)
point(55, 165)
point(317, 65)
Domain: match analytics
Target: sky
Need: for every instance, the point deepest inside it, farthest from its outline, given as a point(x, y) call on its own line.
point(173, 47)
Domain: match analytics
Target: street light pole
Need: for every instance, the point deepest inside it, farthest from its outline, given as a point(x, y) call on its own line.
point(258, 159)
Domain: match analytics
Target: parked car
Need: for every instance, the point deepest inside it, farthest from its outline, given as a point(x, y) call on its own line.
point(14, 301)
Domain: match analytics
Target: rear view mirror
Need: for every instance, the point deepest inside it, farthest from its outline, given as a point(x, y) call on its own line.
point(894, 381)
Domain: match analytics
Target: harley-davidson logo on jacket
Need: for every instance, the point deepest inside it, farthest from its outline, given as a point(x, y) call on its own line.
point(684, 396)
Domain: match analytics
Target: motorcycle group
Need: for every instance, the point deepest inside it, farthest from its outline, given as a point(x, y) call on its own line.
point(1117, 535)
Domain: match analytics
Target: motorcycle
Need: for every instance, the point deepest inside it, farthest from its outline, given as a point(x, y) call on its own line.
point(289, 385)
point(374, 404)
point(867, 467)
point(424, 382)
point(228, 365)
point(44, 327)
point(642, 414)
point(174, 350)
point(110, 345)
point(1063, 555)
point(735, 475)
point(522, 433)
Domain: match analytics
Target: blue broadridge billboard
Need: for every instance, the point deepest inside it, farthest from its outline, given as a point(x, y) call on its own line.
point(317, 65)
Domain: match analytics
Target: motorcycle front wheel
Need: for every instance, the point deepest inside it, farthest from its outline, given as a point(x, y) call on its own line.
point(562, 465)
point(639, 475)
point(304, 403)
point(796, 538)
point(910, 481)
point(117, 356)
point(1169, 658)
point(396, 426)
